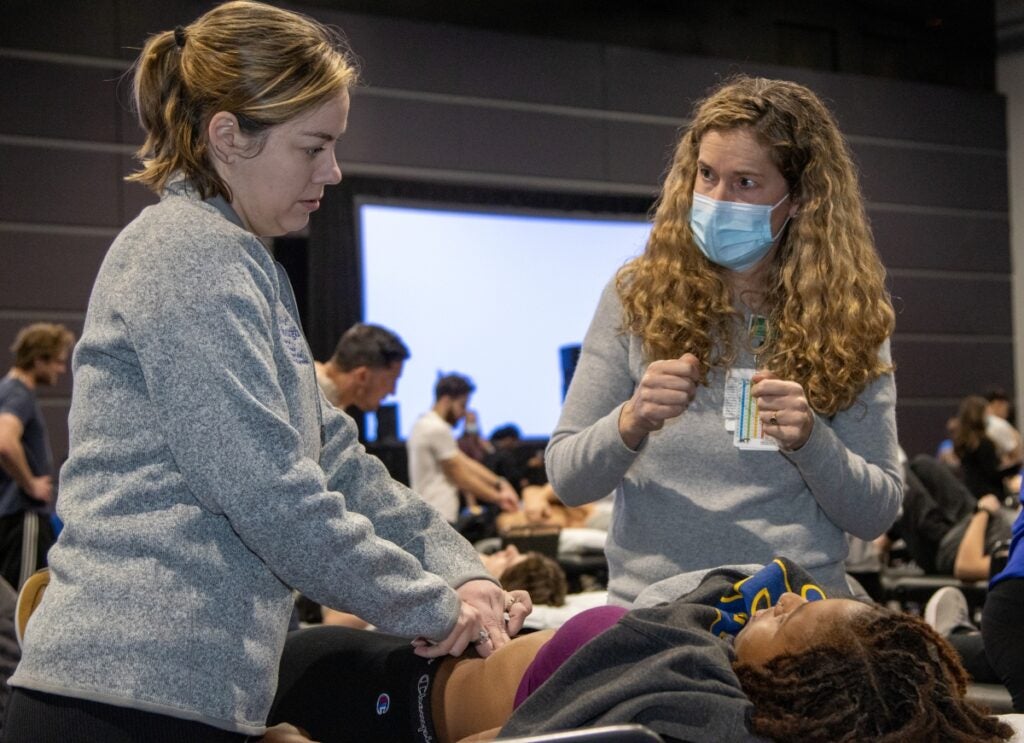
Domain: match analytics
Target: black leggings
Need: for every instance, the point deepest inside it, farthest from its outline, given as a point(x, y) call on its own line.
point(1001, 631)
point(342, 684)
point(35, 717)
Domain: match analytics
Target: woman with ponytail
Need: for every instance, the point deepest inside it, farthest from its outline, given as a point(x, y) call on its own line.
point(205, 468)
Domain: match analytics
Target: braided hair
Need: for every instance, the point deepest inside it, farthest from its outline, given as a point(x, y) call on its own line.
point(885, 676)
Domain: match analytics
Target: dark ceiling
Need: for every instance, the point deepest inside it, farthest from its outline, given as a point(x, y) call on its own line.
point(950, 42)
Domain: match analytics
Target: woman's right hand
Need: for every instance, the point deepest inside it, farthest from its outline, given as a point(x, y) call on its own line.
point(466, 632)
point(665, 391)
point(990, 503)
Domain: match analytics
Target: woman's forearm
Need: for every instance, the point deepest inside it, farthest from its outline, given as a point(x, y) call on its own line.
point(971, 562)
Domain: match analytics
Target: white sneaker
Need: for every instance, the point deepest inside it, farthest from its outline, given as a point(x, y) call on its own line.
point(947, 611)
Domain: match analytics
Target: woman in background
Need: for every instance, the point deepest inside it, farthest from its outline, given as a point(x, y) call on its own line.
point(697, 667)
point(979, 460)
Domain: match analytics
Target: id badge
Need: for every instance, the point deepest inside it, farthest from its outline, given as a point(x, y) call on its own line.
point(740, 412)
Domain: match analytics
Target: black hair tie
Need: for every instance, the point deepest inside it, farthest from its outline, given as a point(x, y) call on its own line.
point(179, 36)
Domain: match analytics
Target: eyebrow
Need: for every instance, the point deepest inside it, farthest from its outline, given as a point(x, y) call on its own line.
point(701, 163)
point(321, 135)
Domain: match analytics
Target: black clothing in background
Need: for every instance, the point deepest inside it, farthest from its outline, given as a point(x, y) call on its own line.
point(981, 471)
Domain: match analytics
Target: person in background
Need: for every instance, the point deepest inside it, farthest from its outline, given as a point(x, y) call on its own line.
point(944, 451)
point(1000, 620)
point(206, 480)
point(26, 463)
point(364, 369)
point(471, 443)
point(996, 654)
point(980, 463)
point(999, 428)
point(505, 459)
point(540, 576)
point(735, 386)
point(438, 469)
point(999, 404)
point(942, 521)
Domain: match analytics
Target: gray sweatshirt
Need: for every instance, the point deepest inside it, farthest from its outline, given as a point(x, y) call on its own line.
point(658, 666)
point(688, 499)
point(206, 479)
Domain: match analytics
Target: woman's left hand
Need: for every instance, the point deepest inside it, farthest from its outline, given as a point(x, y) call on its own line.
point(493, 603)
point(783, 408)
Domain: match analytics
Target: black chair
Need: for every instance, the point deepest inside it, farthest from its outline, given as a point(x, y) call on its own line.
point(542, 539)
point(994, 696)
point(912, 589)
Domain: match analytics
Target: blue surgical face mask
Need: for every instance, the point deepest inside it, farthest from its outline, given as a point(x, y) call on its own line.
point(732, 234)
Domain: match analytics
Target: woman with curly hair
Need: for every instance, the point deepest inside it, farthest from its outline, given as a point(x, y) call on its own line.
point(880, 675)
point(735, 387)
point(742, 652)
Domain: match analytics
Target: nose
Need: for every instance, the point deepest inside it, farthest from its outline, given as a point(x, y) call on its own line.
point(718, 193)
point(789, 601)
point(332, 172)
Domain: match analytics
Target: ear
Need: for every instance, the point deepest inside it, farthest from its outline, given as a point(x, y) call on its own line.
point(794, 208)
point(227, 141)
point(361, 374)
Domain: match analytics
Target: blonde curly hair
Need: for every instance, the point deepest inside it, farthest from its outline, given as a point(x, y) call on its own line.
point(825, 298)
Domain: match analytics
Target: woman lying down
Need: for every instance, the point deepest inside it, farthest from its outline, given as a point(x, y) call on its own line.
point(742, 654)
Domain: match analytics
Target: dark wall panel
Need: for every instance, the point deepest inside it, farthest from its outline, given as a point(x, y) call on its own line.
point(136, 21)
point(54, 271)
point(55, 413)
point(41, 99)
point(472, 138)
point(913, 112)
point(948, 369)
point(640, 153)
point(134, 196)
point(933, 376)
point(129, 131)
point(922, 427)
point(957, 305)
point(951, 242)
point(59, 186)
point(923, 177)
point(661, 84)
point(67, 26)
point(413, 56)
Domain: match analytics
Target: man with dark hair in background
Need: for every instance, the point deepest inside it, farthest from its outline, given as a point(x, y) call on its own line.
point(438, 469)
point(26, 462)
point(364, 369)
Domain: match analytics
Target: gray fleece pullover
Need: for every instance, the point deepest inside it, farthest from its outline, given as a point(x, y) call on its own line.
point(207, 479)
point(688, 499)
